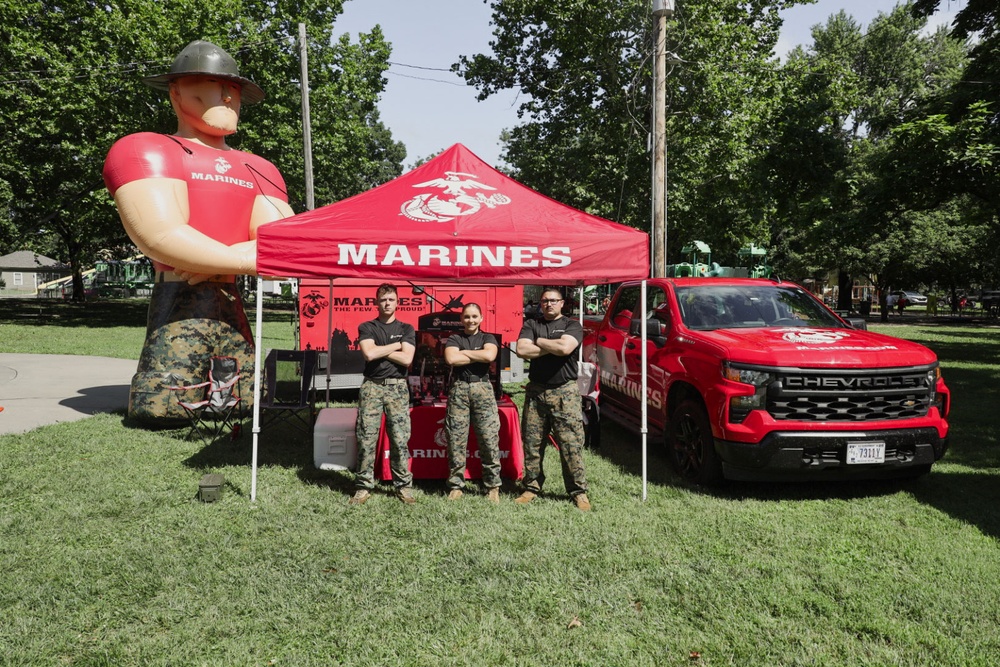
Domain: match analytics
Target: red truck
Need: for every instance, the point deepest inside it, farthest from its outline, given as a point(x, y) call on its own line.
point(756, 379)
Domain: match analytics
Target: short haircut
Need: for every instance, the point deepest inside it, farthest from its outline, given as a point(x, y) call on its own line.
point(385, 288)
point(553, 289)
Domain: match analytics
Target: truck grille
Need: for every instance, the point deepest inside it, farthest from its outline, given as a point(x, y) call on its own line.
point(851, 396)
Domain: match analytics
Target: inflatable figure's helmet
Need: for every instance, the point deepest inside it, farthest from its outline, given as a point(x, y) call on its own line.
point(200, 57)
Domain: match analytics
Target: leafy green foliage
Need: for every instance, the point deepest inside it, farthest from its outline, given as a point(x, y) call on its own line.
point(585, 69)
point(72, 85)
point(836, 169)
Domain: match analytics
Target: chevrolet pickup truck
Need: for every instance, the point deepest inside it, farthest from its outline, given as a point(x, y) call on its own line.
point(756, 379)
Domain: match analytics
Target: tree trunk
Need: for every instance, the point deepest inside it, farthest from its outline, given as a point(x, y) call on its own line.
point(73, 249)
point(845, 291)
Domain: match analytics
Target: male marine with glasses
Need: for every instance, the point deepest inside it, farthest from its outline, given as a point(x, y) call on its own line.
point(552, 403)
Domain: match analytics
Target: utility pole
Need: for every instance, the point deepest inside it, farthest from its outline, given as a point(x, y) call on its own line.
point(662, 10)
point(306, 123)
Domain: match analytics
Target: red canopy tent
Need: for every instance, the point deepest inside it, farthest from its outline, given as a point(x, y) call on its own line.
point(453, 218)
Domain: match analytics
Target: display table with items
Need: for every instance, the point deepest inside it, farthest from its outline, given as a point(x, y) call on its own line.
point(429, 380)
point(429, 445)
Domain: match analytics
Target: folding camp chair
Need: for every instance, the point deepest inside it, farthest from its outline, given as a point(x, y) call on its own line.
point(216, 405)
point(296, 408)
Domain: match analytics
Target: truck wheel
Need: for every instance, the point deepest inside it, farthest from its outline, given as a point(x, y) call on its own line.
point(690, 444)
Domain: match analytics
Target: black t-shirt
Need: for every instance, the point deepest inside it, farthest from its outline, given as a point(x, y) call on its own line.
point(383, 334)
point(551, 369)
point(477, 370)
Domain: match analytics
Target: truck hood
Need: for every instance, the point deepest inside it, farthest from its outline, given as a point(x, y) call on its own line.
point(816, 347)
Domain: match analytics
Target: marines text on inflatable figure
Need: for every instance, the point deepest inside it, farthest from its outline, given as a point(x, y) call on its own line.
point(193, 205)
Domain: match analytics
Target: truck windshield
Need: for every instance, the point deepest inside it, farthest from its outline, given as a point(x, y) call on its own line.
point(708, 306)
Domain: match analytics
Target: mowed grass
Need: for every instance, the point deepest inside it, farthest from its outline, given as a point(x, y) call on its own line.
point(108, 558)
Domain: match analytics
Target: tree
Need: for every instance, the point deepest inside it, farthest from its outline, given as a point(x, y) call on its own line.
point(973, 101)
point(72, 85)
point(585, 69)
point(842, 100)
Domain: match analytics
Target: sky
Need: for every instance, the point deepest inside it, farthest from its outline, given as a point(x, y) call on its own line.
point(428, 108)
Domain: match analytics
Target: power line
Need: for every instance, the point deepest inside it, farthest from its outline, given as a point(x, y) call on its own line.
point(424, 78)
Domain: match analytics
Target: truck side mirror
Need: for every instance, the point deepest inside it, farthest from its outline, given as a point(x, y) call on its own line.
point(858, 323)
point(654, 328)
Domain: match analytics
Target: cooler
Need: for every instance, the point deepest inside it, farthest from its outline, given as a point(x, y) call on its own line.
point(335, 445)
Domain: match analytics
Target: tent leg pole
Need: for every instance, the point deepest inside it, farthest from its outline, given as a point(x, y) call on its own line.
point(258, 333)
point(645, 382)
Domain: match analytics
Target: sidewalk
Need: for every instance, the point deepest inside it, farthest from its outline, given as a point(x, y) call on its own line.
point(40, 389)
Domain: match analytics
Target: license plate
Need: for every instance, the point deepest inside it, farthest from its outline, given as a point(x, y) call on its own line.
point(865, 452)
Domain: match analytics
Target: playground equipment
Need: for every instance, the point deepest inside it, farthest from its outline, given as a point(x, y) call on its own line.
point(109, 278)
point(701, 264)
point(756, 259)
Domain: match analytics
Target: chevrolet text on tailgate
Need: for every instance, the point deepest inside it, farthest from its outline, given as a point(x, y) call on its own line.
point(755, 379)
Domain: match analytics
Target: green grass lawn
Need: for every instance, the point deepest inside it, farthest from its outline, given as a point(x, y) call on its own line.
point(108, 558)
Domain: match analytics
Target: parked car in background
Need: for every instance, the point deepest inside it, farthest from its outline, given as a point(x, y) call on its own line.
point(912, 298)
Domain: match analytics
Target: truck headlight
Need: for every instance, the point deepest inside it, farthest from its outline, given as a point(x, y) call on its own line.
point(759, 379)
point(940, 401)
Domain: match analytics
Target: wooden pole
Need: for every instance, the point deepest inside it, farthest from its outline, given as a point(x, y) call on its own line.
point(306, 124)
point(659, 235)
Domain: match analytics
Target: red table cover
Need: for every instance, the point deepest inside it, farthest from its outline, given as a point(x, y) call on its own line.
point(429, 445)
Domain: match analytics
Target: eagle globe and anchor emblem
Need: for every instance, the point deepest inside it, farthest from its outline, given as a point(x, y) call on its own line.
point(454, 201)
point(811, 336)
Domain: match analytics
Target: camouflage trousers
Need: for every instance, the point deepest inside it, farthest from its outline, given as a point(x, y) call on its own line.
point(557, 411)
point(473, 402)
point(186, 326)
point(392, 400)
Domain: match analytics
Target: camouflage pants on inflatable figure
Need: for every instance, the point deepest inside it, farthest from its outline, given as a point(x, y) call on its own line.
point(473, 403)
point(559, 411)
point(186, 326)
point(374, 400)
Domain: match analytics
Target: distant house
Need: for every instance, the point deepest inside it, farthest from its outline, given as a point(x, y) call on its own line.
point(23, 271)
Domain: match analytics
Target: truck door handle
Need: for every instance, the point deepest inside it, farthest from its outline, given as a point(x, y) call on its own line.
point(630, 346)
point(602, 338)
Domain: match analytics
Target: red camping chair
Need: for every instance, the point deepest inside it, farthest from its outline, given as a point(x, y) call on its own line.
point(217, 406)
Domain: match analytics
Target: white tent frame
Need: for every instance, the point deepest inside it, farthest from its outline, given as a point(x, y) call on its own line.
point(258, 340)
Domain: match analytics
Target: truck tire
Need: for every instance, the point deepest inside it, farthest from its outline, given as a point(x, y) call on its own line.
point(690, 445)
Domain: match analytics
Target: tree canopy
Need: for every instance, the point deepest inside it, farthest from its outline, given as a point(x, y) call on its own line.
point(586, 72)
point(814, 157)
point(71, 85)
point(875, 151)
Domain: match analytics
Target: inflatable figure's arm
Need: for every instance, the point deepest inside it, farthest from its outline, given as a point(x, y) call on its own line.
point(265, 209)
point(155, 214)
point(268, 209)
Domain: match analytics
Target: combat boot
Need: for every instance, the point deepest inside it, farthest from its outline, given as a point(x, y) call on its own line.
point(360, 497)
point(493, 495)
point(405, 495)
point(525, 498)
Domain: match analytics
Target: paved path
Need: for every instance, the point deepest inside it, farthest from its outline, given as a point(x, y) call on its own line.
point(40, 389)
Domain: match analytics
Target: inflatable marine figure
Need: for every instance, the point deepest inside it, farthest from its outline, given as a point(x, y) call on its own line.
point(193, 205)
